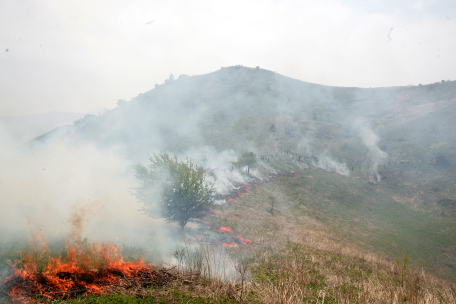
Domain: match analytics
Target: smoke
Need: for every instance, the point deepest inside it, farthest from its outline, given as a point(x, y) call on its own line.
point(326, 162)
point(210, 119)
point(91, 161)
point(370, 140)
point(57, 185)
point(305, 144)
point(80, 217)
point(321, 159)
point(222, 173)
point(219, 164)
point(73, 187)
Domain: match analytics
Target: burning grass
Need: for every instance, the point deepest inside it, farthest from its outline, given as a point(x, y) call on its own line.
point(77, 268)
point(241, 189)
point(236, 239)
point(97, 273)
point(310, 269)
point(99, 269)
point(83, 269)
point(292, 258)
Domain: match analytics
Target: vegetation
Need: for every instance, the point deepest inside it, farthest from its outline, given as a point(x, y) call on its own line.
point(319, 237)
point(161, 297)
point(182, 192)
point(306, 254)
point(313, 269)
point(247, 159)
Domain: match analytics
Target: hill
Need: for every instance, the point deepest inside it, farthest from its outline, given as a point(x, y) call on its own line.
point(237, 106)
point(20, 129)
point(393, 149)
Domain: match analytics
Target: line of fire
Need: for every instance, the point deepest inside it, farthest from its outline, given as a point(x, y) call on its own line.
point(99, 267)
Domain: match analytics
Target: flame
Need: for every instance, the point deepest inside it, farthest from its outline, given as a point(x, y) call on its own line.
point(238, 239)
point(242, 240)
point(87, 267)
point(229, 245)
point(237, 193)
point(224, 230)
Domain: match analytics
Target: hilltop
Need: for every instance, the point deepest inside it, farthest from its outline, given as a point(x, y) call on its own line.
point(236, 107)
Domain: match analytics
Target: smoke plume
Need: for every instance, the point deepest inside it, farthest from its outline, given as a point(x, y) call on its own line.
point(370, 140)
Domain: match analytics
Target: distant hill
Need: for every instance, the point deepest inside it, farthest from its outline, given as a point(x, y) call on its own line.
point(19, 129)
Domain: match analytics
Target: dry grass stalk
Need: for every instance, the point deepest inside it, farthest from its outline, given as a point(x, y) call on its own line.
point(302, 274)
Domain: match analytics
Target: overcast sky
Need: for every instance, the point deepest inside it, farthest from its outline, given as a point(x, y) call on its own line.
point(78, 56)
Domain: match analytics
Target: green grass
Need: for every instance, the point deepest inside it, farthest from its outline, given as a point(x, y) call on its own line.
point(356, 211)
point(174, 296)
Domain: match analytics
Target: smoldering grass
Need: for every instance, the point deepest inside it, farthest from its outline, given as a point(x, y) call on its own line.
point(206, 260)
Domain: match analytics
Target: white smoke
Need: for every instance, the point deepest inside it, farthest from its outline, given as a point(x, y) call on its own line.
point(326, 162)
point(219, 164)
point(370, 140)
point(44, 185)
point(305, 144)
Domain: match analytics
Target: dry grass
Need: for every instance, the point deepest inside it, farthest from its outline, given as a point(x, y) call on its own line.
point(293, 273)
point(302, 274)
point(206, 270)
point(296, 259)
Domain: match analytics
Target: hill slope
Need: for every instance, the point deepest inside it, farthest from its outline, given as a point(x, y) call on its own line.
point(236, 106)
point(403, 136)
point(20, 129)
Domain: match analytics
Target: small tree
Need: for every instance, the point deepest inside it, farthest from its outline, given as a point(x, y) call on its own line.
point(182, 192)
point(272, 199)
point(247, 159)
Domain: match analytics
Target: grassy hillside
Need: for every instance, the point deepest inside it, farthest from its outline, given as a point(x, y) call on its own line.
point(382, 219)
point(403, 135)
point(411, 212)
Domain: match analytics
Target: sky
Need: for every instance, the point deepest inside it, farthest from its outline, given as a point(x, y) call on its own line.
point(78, 56)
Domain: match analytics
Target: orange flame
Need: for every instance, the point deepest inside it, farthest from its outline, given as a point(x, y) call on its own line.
point(84, 267)
point(229, 245)
point(243, 241)
point(224, 230)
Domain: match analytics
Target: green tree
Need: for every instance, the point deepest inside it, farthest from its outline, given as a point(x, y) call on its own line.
point(247, 159)
point(172, 189)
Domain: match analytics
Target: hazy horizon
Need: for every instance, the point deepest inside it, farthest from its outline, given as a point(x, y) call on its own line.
point(80, 56)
